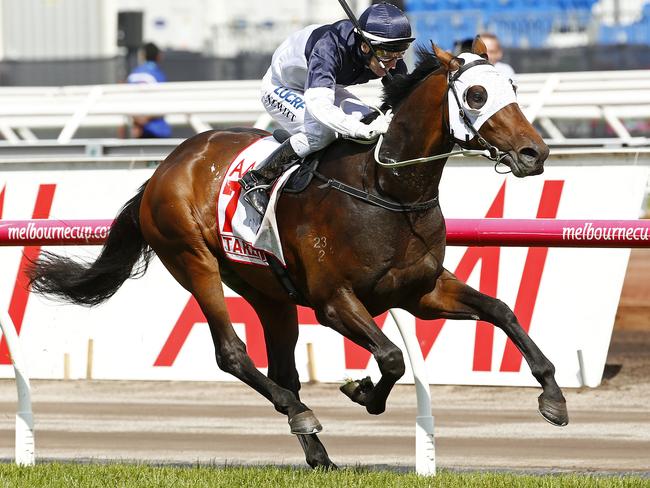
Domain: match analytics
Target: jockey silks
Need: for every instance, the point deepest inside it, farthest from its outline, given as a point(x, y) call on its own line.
point(323, 56)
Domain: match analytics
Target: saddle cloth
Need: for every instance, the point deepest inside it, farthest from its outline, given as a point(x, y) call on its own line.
point(245, 235)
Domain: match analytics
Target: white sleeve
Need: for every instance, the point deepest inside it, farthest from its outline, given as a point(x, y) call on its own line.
point(320, 103)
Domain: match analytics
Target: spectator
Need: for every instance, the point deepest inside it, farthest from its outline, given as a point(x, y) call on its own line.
point(147, 126)
point(495, 54)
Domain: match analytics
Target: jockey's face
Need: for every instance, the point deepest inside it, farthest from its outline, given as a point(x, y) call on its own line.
point(389, 59)
point(376, 68)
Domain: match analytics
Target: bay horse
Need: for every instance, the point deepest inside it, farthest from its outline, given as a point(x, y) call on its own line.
point(374, 260)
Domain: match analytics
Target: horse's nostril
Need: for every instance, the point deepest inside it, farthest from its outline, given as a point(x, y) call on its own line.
point(530, 154)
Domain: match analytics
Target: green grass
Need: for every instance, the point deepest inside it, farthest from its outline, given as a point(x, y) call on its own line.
point(129, 475)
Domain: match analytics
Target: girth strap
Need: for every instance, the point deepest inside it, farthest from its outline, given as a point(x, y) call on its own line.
point(373, 199)
point(285, 280)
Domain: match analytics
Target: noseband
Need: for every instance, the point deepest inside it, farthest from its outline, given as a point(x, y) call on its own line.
point(489, 151)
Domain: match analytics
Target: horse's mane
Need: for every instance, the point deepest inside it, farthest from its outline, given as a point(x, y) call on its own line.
point(398, 89)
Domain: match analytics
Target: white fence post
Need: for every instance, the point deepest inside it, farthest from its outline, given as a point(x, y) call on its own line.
point(25, 454)
point(425, 451)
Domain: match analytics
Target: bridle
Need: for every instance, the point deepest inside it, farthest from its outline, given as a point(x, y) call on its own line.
point(489, 151)
point(451, 86)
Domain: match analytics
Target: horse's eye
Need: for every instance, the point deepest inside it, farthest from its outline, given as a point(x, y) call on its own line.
point(476, 96)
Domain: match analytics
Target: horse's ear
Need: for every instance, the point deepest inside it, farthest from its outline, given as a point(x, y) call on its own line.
point(478, 47)
point(445, 58)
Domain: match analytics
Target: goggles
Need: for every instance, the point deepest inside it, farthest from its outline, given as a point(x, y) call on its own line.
point(387, 56)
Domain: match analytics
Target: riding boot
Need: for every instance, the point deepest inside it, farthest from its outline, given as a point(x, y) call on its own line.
point(256, 182)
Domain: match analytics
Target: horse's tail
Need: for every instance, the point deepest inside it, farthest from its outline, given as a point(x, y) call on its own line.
point(125, 255)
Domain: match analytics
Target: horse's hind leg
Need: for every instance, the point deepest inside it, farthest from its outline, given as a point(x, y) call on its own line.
point(197, 270)
point(280, 323)
point(453, 299)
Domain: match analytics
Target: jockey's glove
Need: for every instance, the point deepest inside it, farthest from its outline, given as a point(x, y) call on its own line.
point(375, 128)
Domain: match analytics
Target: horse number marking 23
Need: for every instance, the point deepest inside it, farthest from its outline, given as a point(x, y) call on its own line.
point(320, 243)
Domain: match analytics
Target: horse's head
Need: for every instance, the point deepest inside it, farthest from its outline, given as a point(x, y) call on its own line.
point(484, 114)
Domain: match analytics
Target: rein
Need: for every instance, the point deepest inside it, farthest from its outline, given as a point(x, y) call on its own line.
point(373, 199)
point(490, 151)
point(363, 195)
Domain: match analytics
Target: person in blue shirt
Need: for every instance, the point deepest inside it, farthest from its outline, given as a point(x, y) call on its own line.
point(304, 88)
point(149, 72)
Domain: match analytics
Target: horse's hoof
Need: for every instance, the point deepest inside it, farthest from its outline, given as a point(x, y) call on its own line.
point(553, 412)
point(355, 390)
point(349, 388)
point(305, 423)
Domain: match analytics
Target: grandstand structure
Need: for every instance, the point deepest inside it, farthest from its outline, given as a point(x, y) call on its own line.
point(531, 23)
point(69, 42)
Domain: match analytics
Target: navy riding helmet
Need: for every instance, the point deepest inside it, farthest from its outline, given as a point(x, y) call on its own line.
point(386, 27)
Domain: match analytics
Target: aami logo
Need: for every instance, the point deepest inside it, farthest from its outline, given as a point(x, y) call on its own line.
point(427, 331)
point(20, 295)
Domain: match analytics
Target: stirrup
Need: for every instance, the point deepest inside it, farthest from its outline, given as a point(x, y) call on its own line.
point(249, 181)
point(258, 186)
point(258, 198)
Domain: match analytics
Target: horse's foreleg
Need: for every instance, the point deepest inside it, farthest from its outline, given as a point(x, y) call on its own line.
point(198, 271)
point(453, 299)
point(344, 313)
point(280, 322)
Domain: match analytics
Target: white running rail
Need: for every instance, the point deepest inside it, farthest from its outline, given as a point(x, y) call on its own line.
point(25, 454)
point(425, 450)
point(618, 99)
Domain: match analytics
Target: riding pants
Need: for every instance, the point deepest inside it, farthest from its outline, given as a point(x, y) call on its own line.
point(287, 108)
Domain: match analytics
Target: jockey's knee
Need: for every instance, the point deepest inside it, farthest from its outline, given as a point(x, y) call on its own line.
point(300, 144)
point(321, 140)
point(305, 143)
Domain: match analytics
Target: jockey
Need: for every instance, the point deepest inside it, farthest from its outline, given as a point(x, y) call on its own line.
point(304, 87)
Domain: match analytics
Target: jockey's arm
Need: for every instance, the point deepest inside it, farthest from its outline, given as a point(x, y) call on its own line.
point(320, 103)
point(324, 63)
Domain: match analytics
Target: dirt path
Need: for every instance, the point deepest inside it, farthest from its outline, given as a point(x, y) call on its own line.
point(476, 427)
